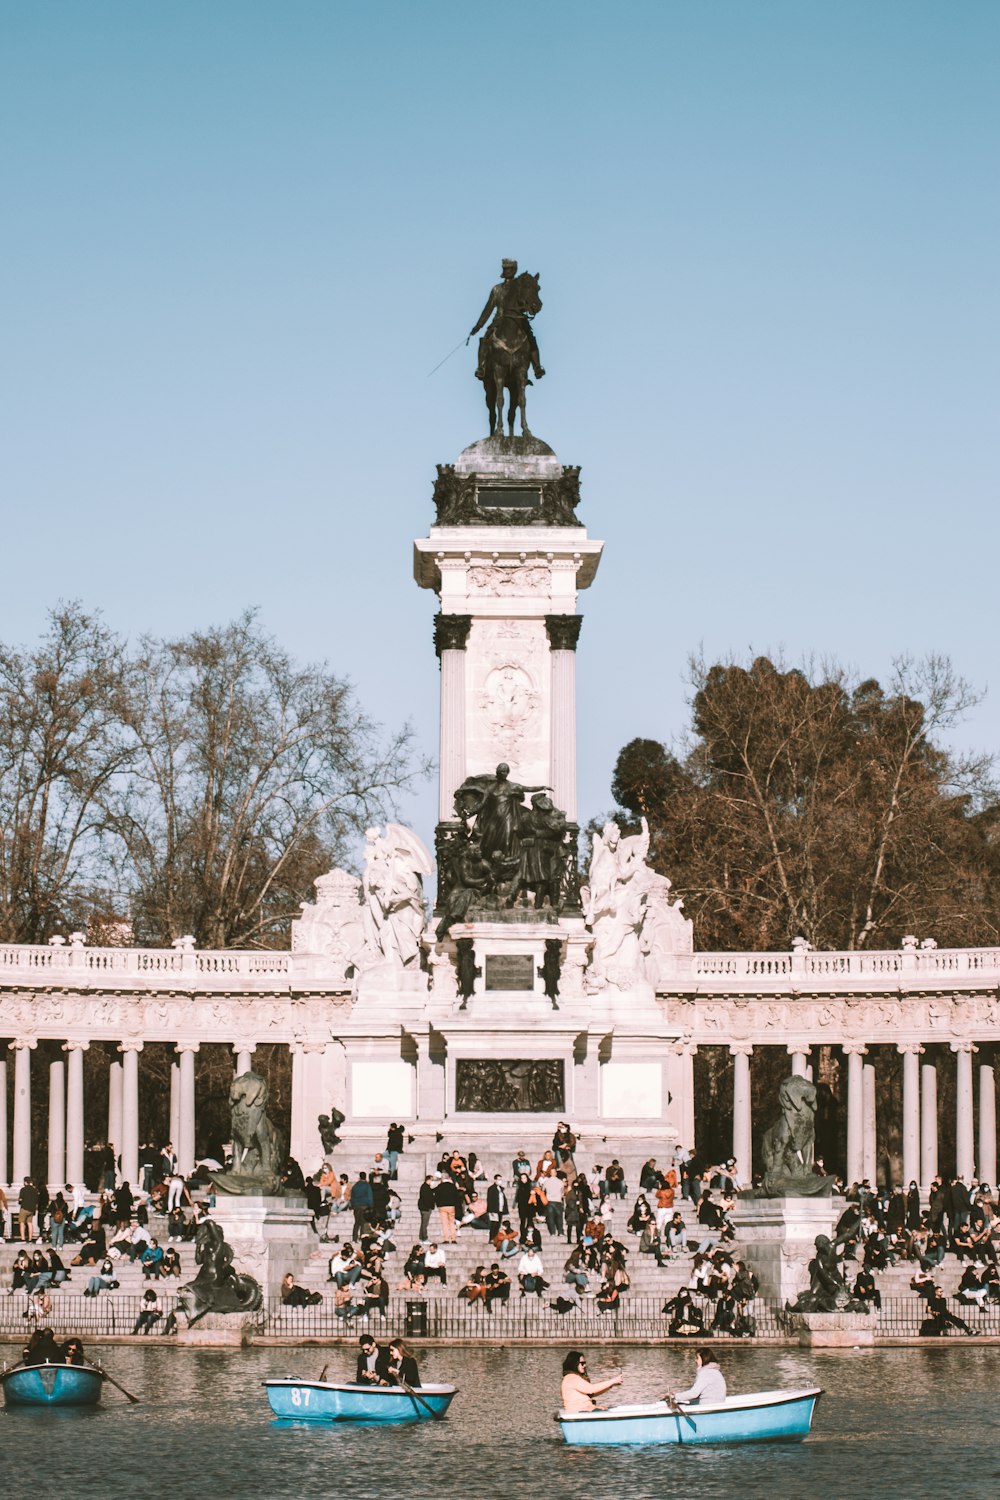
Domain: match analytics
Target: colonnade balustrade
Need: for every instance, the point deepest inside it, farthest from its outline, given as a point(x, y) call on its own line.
point(975, 1156)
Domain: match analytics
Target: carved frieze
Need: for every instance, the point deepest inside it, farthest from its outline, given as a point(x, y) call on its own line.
point(508, 578)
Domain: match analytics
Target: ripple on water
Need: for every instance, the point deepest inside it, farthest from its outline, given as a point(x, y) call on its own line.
point(908, 1422)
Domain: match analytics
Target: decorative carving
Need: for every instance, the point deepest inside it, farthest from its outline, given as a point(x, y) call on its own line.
point(637, 928)
point(394, 895)
point(502, 1086)
point(455, 502)
point(328, 1127)
point(550, 969)
point(563, 631)
point(507, 702)
point(333, 924)
point(500, 578)
point(466, 969)
point(451, 632)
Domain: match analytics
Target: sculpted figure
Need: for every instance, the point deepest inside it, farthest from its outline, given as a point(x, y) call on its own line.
point(542, 855)
point(469, 875)
point(395, 863)
point(508, 350)
point(217, 1287)
point(615, 902)
point(827, 1288)
point(259, 1147)
point(789, 1145)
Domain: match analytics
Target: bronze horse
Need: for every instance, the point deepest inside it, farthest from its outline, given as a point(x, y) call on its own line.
point(509, 355)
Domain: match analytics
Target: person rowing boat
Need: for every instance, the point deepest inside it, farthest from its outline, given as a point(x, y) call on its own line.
point(577, 1391)
point(709, 1383)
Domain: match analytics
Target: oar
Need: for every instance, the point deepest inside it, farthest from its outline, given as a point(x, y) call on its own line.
point(679, 1411)
point(118, 1387)
point(322, 1373)
point(437, 1415)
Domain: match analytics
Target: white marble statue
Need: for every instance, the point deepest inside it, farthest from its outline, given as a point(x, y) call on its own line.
point(628, 908)
point(393, 911)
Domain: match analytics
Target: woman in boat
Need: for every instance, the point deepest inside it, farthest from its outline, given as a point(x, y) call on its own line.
point(401, 1367)
point(577, 1391)
point(72, 1352)
point(709, 1383)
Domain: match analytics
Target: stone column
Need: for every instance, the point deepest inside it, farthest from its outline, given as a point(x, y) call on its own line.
point(244, 1052)
point(964, 1148)
point(451, 633)
point(685, 1051)
point(309, 1101)
point(175, 1104)
point(184, 1142)
point(115, 1108)
point(21, 1167)
point(563, 632)
point(4, 1153)
point(74, 1111)
point(987, 1126)
point(854, 1052)
point(870, 1147)
point(742, 1133)
point(911, 1110)
point(928, 1125)
point(57, 1126)
point(799, 1062)
point(130, 1111)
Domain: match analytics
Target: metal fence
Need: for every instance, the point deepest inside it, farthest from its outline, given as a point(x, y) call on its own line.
point(108, 1313)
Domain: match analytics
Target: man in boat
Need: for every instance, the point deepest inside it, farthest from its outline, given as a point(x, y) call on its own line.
point(42, 1348)
point(709, 1385)
point(577, 1391)
point(371, 1362)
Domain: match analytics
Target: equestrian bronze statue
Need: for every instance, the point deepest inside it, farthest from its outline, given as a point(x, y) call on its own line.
point(508, 349)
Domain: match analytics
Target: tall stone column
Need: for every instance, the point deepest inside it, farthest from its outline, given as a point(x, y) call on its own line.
point(928, 1125)
point(685, 1051)
point(56, 1178)
point(854, 1052)
point(4, 1153)
point(451, 633)
point(987, 1126)
point(911, 1110)
point(243, 1052)
point(21, 1167)
point(175, 1104)
point(742, 1123)
point(563, 632)
point(186, 1122)
point(130, 1111)
point(799, 1062)
point(965, 1163)
point(870, 1148)
point(115, 1108)
point(74, 1111)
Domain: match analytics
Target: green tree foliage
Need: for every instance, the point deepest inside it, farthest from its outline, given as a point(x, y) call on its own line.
point(812, 804)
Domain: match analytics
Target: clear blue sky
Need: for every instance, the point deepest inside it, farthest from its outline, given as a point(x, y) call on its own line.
point(237, 236)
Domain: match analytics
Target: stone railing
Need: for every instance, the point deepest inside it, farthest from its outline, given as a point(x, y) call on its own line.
point(73, 964)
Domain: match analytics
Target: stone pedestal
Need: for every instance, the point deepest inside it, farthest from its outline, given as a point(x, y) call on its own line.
point(834, 1330)
point(779, 1237)
point(268, 1237)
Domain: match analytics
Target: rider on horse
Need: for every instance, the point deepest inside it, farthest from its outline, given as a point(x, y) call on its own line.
point(496, 303)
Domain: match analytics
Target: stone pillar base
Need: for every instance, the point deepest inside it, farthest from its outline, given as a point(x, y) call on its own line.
point(268, 1236)
point(220, 1335)
point(834, 1330)
point(778, 1236)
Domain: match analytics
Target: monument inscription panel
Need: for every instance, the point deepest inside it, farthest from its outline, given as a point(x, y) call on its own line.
point(510, 971)
point(493, 1085)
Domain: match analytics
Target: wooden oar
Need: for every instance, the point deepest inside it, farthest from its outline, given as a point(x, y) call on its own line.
point(118, 1387)
point(322, 1373)
point(437, 1415)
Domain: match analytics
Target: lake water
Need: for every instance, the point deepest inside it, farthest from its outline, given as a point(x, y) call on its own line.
point(906, 1422)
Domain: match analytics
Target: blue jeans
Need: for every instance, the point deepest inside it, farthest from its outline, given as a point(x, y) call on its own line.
point(392, 1157)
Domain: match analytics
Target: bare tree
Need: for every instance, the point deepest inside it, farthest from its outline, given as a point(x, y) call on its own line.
point(251, 776)
point(63, 747)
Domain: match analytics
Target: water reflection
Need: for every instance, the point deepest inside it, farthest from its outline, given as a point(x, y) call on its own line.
point(909, 1421)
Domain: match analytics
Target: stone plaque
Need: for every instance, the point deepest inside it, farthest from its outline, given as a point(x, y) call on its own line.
point(508, 498)
point(510, 971)
point(509, 1085)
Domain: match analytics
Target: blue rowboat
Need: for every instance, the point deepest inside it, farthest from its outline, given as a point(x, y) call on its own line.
point(326, 1401)
point(52, 1385)
point(760, 1417)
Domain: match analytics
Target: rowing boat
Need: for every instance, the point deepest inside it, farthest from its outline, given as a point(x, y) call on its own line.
point(51, 1385)
point(329, 1401)
point(759, 1417)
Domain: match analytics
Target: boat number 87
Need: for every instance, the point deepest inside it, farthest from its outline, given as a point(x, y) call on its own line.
point(300, 1397)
